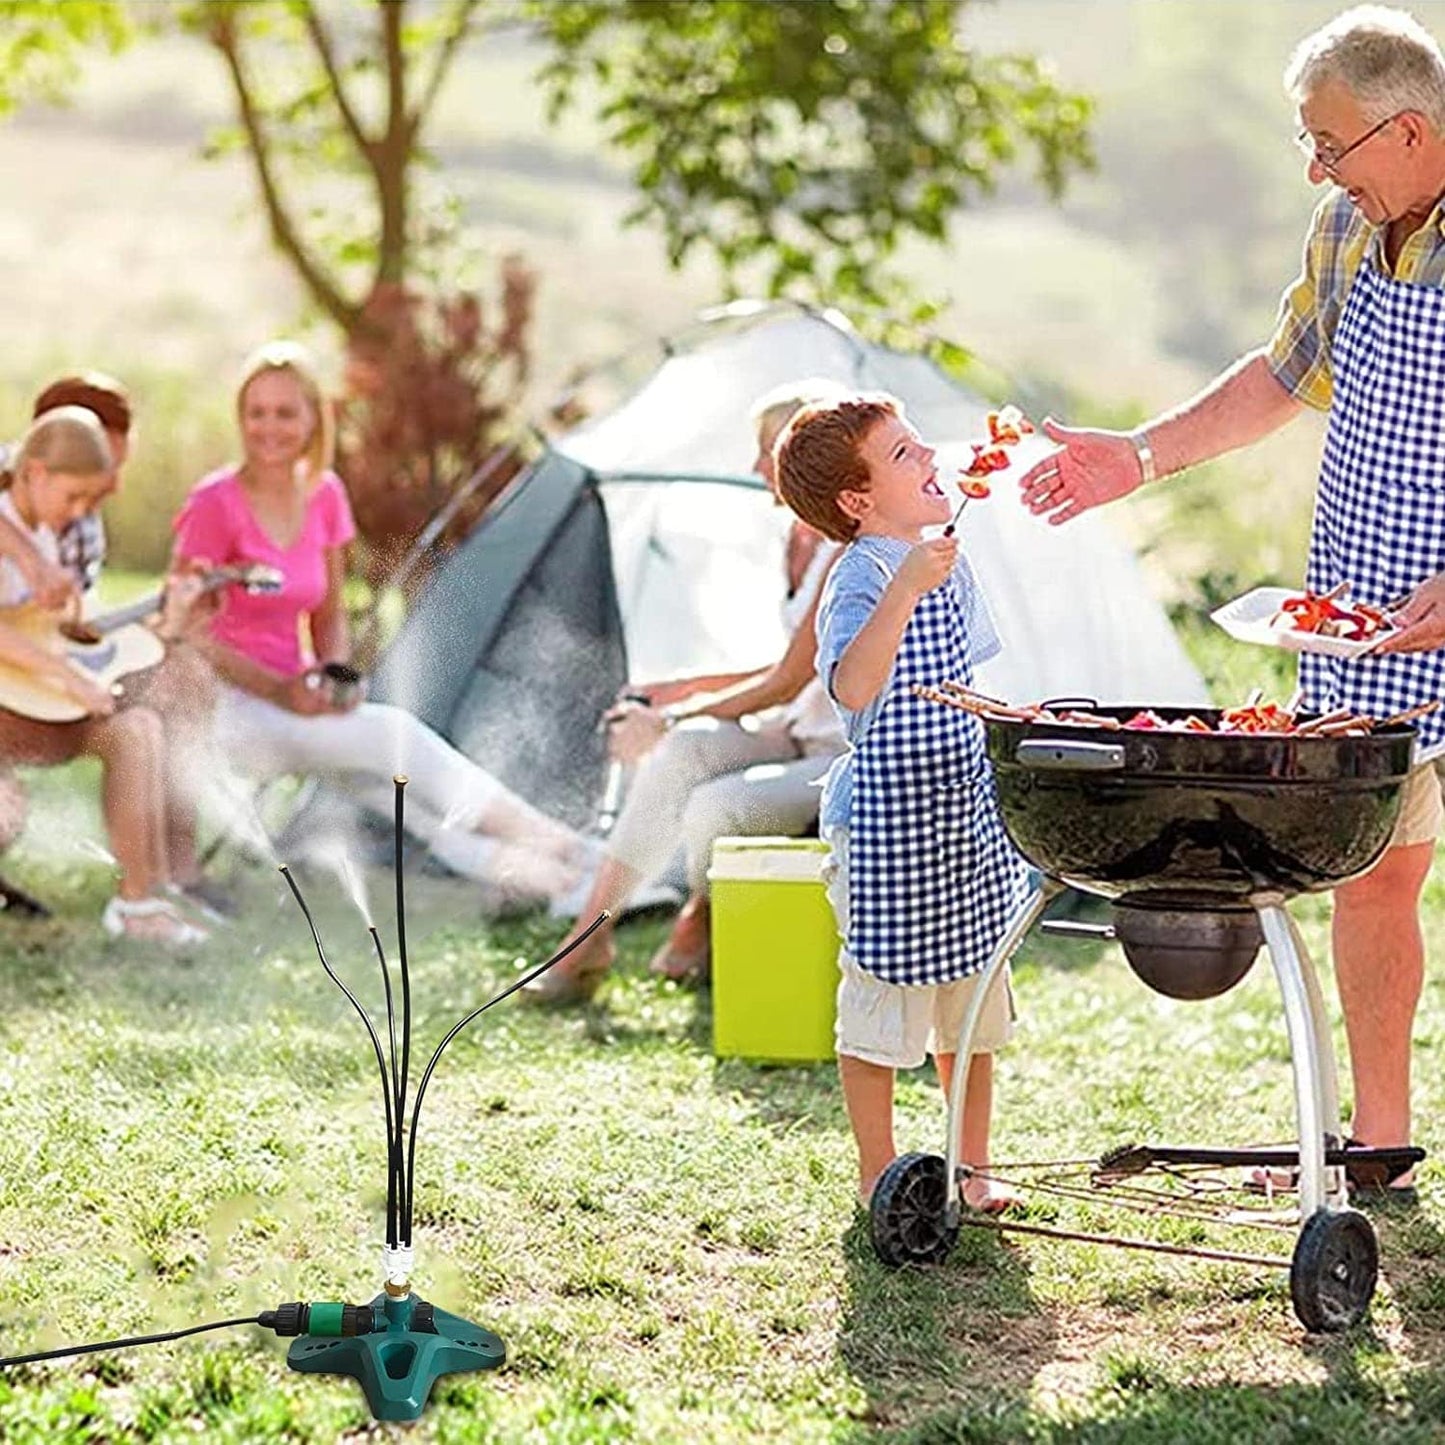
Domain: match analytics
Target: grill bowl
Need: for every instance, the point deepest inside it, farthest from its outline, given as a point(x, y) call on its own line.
point(1185, 952)
point(1207, 816)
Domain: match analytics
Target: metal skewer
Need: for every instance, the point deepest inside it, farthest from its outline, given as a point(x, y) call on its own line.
point(949, 530)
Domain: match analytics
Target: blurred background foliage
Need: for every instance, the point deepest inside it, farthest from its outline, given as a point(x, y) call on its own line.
point(127, 249)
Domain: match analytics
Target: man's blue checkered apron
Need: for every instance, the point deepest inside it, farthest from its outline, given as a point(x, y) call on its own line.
point(932, 876)
point(1379, 519)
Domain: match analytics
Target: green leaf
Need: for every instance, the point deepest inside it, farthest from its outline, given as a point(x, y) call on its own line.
point(820, 135)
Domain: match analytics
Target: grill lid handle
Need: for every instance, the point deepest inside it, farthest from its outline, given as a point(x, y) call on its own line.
point(1070, 757)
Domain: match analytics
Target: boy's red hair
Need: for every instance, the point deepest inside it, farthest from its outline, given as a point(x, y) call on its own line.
point(818, 458)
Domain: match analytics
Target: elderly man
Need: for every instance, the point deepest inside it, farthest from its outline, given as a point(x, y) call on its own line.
point(1361, 334)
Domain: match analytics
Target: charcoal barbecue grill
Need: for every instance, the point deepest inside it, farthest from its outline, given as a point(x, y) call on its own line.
point(1198, 839)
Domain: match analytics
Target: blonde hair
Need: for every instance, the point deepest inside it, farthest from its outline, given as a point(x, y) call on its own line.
point(294, 359)
point(1384, 57)
point(774, 409)
point(67, 439)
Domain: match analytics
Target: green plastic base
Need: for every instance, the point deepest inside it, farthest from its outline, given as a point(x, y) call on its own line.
point(397, 1366)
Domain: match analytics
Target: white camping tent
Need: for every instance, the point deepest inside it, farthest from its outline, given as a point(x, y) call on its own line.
point(641, 546)
point(698, 568)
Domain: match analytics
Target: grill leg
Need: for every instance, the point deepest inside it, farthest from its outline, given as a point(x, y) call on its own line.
point(1324, 1054)
point(1317, 1109)
point(1013, 935)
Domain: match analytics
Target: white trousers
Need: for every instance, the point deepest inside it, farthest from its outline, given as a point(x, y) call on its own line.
point(368, 747)
point(709, 779)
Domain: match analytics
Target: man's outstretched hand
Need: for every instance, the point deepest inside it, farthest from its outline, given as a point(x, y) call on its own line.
point(1095, 467)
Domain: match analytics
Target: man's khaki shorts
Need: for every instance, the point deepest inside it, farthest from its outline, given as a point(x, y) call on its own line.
point(898, 1025)
point(1422, 810)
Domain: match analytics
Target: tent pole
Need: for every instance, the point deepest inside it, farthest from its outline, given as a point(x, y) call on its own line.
point(435, 526)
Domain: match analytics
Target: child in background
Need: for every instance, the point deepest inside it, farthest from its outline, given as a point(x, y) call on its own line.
point(925, 879)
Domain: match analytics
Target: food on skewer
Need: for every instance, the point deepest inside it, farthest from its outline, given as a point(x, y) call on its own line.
point(1328, 615)
point(1008, 425)
point(1254, 716)
point(1257, 717)
point(1006, 428)
point(974, 488)
point(986, 459)
point(1149, 721)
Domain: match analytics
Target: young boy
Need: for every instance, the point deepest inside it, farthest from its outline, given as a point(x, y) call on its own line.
point(925, 877)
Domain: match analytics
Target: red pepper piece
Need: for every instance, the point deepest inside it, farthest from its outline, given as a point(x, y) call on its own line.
point(1146, 720)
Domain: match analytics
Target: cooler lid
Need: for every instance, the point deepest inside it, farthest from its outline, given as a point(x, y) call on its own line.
point(783, 860)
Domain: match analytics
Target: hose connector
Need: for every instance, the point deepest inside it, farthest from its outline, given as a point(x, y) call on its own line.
point(319, 1317)
point(396, 1268)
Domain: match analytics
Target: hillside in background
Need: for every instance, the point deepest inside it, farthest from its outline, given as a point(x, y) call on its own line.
point(125, 249)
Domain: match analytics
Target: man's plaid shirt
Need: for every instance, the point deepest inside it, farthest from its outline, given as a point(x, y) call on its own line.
point(82, 549)
point(1339, 240)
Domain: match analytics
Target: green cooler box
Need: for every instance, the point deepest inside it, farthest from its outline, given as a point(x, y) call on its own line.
point(774, 950)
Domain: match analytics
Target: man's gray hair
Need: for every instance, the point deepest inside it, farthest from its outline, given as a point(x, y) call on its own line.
point(1384, 57)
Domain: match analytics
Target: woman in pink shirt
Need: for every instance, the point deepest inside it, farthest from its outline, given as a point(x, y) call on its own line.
point(278, 712)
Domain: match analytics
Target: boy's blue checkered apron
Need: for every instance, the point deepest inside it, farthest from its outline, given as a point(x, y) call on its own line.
point(1379, 519)
point(932, 877)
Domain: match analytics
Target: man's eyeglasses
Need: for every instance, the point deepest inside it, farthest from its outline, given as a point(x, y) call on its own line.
point(1327, 157)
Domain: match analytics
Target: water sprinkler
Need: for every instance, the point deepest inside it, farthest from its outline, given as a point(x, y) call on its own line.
point(398, 1345)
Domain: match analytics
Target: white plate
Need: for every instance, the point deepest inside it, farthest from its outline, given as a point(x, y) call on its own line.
point(1248, 619)
point(1028, 451)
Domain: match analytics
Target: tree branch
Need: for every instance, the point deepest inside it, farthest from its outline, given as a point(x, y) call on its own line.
point(393, 150)
point(392, 13)
point(322, 41)
point(223, 36)
point(462, 13)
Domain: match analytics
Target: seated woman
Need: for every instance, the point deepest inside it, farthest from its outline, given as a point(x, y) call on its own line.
point(278, 711)
point(742, 758)
point(61, 468)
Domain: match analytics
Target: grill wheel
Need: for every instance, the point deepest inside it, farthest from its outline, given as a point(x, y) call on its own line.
point(908, 1210)
point(1332, 1276)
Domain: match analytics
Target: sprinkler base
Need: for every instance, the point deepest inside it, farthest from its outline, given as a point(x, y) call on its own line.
point(399, 1361)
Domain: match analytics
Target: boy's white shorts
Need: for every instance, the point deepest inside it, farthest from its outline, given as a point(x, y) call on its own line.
point(898, 1025)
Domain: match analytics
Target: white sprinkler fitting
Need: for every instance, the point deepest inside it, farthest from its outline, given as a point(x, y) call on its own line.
point(396, 1265)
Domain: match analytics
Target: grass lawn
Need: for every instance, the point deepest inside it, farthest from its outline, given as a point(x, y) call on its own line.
point(665, 1242)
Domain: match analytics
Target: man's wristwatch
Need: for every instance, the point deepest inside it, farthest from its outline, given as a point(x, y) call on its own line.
point(1139, 440)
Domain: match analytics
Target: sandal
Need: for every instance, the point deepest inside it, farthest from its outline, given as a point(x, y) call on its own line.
point(1374, 1181)
point(686, 968)
point(686, 954)
point(576, 978)
point(216, 904)
point(1367, 1179)
point(150, 920)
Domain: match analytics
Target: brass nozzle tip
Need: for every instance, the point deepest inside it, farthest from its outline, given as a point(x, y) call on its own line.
point(400, 779)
